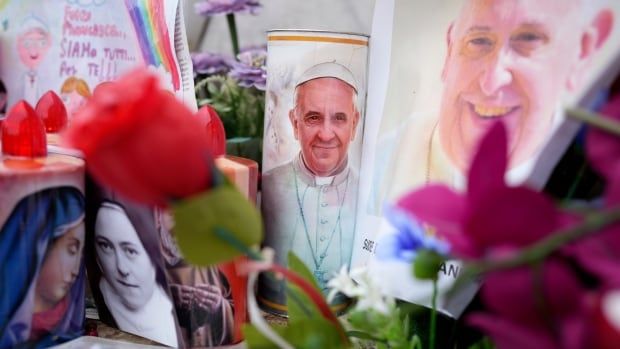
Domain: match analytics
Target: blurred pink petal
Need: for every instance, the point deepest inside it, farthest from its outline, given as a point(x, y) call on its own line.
point(515, 217)
point(599, 254)
point(509, 335)
point(489, 164)
point(562, 292)
point(547, 304)
point(443, 209)
point(437, 205)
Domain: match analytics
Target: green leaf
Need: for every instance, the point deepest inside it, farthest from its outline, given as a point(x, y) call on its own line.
point(370, 321)
point(416, 342)
point(224, 208)
point(308, 334)
point(426, 265)
point(255, 339)
point(305, 318)
point(296, 265)
point(299, 305)
point(241, 109)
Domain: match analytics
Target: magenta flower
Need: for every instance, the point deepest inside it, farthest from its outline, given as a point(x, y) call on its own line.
point(538, 307)
point(490, 219)
point(217, 7)
point(250, 70)
point(599, 254)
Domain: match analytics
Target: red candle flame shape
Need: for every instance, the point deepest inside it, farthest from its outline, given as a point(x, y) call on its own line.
point(23, 132)
point(52, 111)
point(215, 129)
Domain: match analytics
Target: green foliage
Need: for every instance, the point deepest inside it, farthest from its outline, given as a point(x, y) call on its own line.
point(384, 330)
point(255, 339)
point(241, 109)
point(223, 208)
point(307, 328)
point(484, 343)
point(300, 306)
point(306, 334)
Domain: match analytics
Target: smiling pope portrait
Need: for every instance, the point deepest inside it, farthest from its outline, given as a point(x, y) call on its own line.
point(309, 202)
point(505, 60)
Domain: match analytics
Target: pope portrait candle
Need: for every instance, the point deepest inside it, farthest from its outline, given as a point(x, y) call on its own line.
point(316, 87)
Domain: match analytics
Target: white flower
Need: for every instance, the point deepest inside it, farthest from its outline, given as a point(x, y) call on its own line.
point(370, 295)
point(375, 300)
point(358, 284)
point(343, 283)
point(611, 308)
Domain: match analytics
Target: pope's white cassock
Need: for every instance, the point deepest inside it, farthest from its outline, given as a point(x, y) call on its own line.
point(314, 217)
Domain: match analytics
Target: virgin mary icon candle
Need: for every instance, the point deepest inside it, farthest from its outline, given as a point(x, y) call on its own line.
point(41, 236)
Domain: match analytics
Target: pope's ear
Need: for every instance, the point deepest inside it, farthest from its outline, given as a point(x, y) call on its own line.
point(593, 38)
point(596, 33)
point(448, 51)
point(603, 24)
point(293, 119)
point(356, 120)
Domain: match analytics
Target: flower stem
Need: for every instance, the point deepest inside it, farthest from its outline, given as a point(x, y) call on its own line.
point(232, 29)
point(594, 119)
point(591, 225)
point(433, 315)
point(576, 182)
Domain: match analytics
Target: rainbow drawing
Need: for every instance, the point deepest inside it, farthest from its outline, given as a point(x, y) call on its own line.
point(149, 22)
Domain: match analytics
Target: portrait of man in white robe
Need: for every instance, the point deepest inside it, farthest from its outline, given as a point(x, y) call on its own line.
point(309, 202)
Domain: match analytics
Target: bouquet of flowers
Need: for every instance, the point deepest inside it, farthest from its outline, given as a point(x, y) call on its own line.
point(234, 88)
point(234, 85)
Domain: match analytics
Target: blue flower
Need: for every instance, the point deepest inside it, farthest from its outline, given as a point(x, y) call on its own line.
point(407, 238)
point(216, 7)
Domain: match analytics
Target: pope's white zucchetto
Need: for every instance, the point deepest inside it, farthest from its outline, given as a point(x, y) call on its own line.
point(328, 70)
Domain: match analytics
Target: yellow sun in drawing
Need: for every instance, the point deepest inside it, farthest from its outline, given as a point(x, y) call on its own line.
point(3, 4)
